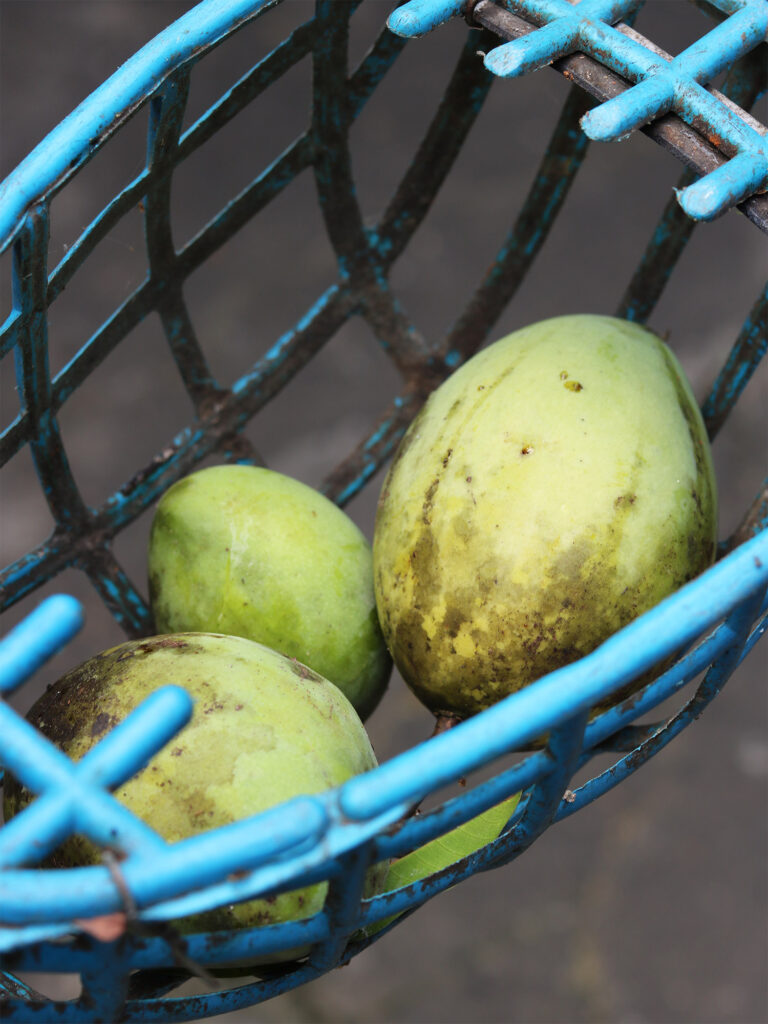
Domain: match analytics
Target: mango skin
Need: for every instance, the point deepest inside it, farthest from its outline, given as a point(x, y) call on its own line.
point(555, 487)
point(264, 729)
point(250, 552)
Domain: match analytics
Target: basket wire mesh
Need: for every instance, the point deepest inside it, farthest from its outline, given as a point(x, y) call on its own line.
point(715, 620)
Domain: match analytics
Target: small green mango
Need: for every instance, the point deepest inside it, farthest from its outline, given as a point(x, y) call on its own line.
point(555, 487)
point(253, 553)
point(264, 729)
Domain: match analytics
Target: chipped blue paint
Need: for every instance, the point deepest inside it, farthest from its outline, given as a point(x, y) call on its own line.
point(569, 28)
point(421, 16)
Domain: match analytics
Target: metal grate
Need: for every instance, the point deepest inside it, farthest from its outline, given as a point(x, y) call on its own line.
point(338, 834)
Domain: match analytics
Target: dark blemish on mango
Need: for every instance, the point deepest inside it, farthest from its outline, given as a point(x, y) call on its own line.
point(527, 449)
point(625, 499)
point(177, 751)
point(303, 672)
point(453, 621)
point(428, 500)
point(102, 722)
point(573, 385)
point(447, 457)
point(161, 643)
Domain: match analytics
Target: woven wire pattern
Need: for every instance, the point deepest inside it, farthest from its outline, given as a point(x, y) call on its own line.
point(353, 822)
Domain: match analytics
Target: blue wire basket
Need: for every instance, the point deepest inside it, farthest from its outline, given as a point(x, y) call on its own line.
point(622, 82)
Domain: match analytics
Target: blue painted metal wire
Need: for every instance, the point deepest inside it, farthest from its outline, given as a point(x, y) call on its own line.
point(715, 620)
point(36, 639)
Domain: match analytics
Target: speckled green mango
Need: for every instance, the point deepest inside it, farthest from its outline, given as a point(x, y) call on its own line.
point(253, 553)
point(264, 729)
point(555, 487)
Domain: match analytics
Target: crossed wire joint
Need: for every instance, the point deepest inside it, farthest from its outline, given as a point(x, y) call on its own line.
point(662, 84)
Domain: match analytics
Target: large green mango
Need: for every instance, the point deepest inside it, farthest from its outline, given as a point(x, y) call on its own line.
point(555, 487)
point(264, 729)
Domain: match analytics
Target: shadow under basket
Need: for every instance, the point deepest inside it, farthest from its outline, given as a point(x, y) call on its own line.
point(621, 82)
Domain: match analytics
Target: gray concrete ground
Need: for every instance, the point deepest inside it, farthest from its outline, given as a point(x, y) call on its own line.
point(649, 906)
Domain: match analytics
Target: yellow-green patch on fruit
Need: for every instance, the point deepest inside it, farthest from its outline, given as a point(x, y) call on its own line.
point(264, 729)
point(558, 485)
point(250, 552)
